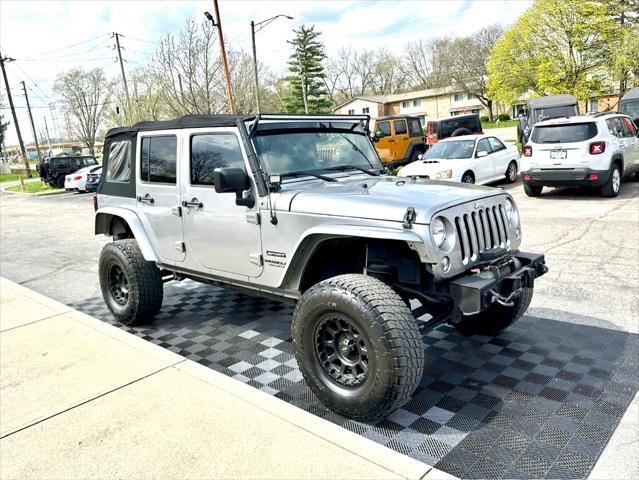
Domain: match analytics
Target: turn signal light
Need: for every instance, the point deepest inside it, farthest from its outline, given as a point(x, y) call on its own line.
point(597, 148)
point(527, 151)
point(593, 176)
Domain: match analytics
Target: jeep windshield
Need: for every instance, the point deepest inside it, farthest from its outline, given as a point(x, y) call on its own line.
point(295, 152)
point(454, 149)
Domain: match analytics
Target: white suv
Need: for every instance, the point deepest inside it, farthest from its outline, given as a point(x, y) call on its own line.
point(594, 151)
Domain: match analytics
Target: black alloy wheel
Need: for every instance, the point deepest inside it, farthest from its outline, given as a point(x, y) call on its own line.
point(118, 284)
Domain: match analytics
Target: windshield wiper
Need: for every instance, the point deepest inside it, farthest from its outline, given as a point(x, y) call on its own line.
point(308, 173)
point(359, 150)
point(343, 168)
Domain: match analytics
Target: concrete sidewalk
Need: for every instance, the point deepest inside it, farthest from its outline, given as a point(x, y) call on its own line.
point(83, 399)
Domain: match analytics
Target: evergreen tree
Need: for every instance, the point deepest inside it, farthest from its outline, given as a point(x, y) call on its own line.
point(307, 88)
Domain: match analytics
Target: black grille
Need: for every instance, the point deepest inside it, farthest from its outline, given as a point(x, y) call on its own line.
point(481, 230)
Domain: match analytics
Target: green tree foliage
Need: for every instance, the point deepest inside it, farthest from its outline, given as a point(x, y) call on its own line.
point(307, 93)
point(3, 124)
point(556, 46)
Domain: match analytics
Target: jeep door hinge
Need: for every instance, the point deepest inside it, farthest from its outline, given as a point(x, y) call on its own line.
point(256, 259)
point(409, 218)
point(177, 211)
point(179, 246)
point(253, 217)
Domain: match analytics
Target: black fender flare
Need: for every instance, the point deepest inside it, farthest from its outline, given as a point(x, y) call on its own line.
point(412, 146)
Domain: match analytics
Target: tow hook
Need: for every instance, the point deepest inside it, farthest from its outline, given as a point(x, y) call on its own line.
point(505, 301)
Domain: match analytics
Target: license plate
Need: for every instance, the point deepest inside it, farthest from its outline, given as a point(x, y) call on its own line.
point(558, 154)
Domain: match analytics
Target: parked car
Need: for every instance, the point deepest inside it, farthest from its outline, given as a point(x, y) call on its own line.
point(77, 180)
point(249, 203)
point(544, 108)
point(93, 180)
point(593, 151)
point(53, 170)
point(398, 139)
point(629, 104)
point(469, 159)
point(456, 126)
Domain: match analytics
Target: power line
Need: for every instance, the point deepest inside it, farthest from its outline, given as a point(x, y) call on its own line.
point(66, 47)
point(74, 54)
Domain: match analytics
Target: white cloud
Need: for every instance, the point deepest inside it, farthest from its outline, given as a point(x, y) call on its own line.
point(29, 28)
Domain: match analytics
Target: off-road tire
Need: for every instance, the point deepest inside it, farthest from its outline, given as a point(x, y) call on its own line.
point(533, 190)
point(496, 317)
point(391, 334)
point(610, 189)
point(59, 181)
point(414, 155)
point(145, 288)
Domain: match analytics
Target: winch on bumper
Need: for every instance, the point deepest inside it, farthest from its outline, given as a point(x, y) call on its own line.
point(499, 281)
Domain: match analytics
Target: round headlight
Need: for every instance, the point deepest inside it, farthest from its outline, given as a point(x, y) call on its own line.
point(511, 212)
point(438, 231)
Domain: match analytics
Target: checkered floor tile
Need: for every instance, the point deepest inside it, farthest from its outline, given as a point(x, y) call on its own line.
point(540, 400)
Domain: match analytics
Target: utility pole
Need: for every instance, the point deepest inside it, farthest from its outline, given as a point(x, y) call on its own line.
point(46, 129)
point(257, 85)
point(225, 67)
point(33, 129)
point(13, 113)
point(126, 86)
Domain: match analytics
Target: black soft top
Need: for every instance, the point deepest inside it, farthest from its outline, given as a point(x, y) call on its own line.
point(552, 101)
point(186, 121)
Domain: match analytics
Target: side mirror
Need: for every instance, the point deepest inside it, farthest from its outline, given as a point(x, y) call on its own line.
point(481, 154)
point(236, 180)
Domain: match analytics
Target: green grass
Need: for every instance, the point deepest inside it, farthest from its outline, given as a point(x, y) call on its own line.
point(12, 177)
point(33, 187)
point(507, 123)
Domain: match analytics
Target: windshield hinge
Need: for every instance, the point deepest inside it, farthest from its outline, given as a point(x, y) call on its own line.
point(409, 218)
point(253, 217)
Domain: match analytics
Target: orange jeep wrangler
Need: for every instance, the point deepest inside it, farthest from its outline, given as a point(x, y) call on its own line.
point(398, 139)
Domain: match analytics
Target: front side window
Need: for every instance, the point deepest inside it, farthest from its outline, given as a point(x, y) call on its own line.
point(400, 127)
point(384, 128)
point(119, 162)
point(157, 162)
point(483, 146)
point(211, 151)
point(495, 144)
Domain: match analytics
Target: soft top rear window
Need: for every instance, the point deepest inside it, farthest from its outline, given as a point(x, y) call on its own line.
point(567, 133)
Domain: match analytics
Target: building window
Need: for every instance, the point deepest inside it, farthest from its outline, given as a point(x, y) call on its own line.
point(593, 105)
point(406, 104)
point(351, 112)
point(417, 103)
point(365, 110)
point(471, 96)
point(458, 97)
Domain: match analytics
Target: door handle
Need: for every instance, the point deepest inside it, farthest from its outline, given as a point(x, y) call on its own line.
point(391, 141)
point(194, 203)
point(146, 199)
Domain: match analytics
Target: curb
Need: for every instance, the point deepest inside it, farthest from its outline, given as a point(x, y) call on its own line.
point(367, 449)
point(37, 194)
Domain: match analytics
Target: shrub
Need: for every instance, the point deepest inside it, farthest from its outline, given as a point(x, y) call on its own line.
point(503, 117)
point(483, 118)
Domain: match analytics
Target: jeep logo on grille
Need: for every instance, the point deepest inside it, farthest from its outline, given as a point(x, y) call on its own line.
point(478, 205)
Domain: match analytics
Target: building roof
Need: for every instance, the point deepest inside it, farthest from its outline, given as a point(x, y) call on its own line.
point(398, 97)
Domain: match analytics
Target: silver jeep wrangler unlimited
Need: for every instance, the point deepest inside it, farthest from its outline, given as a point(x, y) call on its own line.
point(296, 208)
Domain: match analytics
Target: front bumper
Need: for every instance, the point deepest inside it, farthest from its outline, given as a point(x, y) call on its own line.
point(500, 281)
point(565, 177)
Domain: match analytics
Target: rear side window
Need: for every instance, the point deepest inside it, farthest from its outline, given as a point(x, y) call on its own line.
point(119, 163)
point(415, 127)
point(211, 151)
point(59, 162)
point(569, 133)
point(157, 163)
point(74, 163)
point(400, 127)
point(88, 161)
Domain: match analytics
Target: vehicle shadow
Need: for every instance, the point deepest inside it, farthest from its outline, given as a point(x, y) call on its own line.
point(541, 399)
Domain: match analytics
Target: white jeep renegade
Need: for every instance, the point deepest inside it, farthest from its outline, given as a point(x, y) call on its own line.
point(595, 150)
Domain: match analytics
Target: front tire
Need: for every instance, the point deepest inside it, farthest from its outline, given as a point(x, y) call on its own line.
point(131, 286)
point(511, 172)
point(496, 317)
point(358, 346)
point(468, 177)
point(613, 185)
point(532, 190)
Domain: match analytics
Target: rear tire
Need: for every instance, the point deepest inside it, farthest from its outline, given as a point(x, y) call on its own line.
point(496, 317)
point(511, 172)
point(414, 155)
point(59, 182)
point(131, 286)
point(533, 190)
point(613, 185)
point(358, 346)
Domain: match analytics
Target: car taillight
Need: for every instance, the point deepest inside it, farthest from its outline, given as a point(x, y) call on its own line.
point(527, 151)
point(597, 147)
point(77, 177)
point(95, 203)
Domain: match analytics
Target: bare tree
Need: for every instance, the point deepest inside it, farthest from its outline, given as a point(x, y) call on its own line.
point(388, 75)
point(83, 95)
point(428, 62)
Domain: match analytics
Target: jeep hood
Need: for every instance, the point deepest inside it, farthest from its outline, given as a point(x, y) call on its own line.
point(379, 198)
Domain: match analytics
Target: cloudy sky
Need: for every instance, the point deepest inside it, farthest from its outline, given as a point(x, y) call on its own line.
point(47, 37)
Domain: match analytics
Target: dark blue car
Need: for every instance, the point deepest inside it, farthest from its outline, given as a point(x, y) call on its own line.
point(93, 180)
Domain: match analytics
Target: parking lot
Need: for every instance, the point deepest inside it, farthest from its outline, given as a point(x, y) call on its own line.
point(541, 400)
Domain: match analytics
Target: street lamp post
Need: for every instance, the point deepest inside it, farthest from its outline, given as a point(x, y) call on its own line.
point(260, 26)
